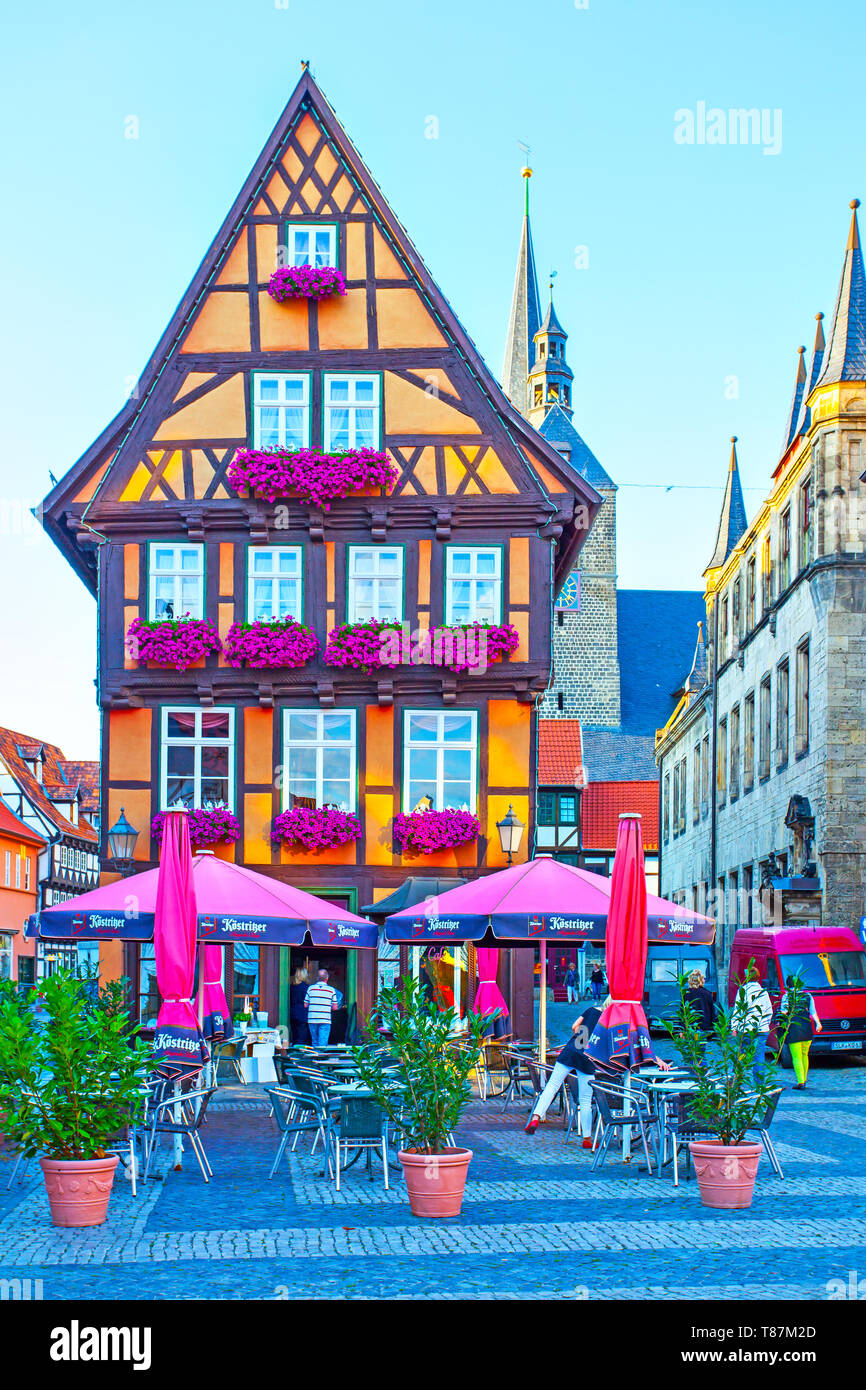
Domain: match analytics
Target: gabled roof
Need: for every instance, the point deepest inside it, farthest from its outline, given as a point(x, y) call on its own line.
point(603, 803)
point(525, 316)
point(845, 358)
point(107, 453)
point(15, 749)
point(560, 753)
point(732, 522)
point(655, 645)
point(559, 431)
point(11, 825)
point(84, 776)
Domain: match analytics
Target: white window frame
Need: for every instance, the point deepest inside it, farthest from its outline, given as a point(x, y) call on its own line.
point(274, 576)
point(292, 229)
point(18, 871)
point(319, 744)
point(352, 405)
point(473, 578)
point(178, 574)
point(197, 742)
point(281, 405)
point(7, 870)
point(377, 551)
point(27, 872)
point(439, 746)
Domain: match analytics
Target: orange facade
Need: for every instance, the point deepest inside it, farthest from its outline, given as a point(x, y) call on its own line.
point(473, 480)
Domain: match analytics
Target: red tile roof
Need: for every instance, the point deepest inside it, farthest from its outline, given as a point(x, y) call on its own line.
point(14, 748)
point(560, 753)
point(602, 803)
point(11, 825)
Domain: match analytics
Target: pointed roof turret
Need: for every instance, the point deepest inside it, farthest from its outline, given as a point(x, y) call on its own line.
point(845, 358)
point(551, 322)
point(525, 318)
point(732, 522)
point(796, 401)
point(697, 677)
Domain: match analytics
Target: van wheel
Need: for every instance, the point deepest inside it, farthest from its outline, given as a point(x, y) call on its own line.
point(785, 1058)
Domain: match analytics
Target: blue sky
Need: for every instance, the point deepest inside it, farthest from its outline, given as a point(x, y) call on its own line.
point(706, 262)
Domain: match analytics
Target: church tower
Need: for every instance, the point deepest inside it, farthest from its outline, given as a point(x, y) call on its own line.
point(539, 381)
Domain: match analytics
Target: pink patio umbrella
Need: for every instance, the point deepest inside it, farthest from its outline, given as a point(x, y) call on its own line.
point(177, 1037)
point(232, 903)
point(621, 1036)
point(214, 1012)
point(489, 999)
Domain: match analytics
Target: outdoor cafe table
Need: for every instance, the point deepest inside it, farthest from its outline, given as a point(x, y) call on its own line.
point(664, 1093)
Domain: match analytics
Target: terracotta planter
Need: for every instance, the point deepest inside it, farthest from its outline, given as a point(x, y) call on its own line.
point(435, 1181)
point(78, 1191)
point(725, 1172)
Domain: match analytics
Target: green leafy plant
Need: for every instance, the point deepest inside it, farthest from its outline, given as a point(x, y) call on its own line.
point(726, 1101)
point(70, 1077)
point(433, 1088)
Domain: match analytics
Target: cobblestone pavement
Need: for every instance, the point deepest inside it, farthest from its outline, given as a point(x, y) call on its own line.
point(535, 1222)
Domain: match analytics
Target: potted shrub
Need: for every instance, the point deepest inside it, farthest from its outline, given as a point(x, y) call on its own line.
point(69, 1083)
point(433, 1093)
point(726, 1101)
point(241, 1022)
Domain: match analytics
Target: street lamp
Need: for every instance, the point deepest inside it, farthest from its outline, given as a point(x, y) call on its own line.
point(121, 842)
point(510, 832)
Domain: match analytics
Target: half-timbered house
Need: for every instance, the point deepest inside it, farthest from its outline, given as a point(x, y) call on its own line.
point(483, 521)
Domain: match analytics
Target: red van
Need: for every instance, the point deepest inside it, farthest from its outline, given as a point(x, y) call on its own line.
point(831, 963)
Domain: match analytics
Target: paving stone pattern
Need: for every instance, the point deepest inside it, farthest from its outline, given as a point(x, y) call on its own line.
point(535, 1223)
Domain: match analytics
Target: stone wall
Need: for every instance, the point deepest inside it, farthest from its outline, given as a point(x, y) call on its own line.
point(585, 660)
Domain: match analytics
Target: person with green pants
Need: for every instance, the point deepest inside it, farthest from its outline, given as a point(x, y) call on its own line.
point(801, 1021)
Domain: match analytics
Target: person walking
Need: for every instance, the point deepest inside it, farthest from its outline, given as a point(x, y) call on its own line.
point(320, 1002)
point(699, 999)
point(297, 1011)
point(800, 1022)
point(596, 980)
point(571, 985)
point(751, 1018)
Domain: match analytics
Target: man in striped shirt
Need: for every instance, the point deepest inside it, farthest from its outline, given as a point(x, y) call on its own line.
point(320, 1002)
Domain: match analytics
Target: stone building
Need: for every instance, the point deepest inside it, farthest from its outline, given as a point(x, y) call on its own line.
point(763, 762)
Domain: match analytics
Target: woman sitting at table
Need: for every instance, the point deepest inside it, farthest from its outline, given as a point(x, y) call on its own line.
point(573, 1058)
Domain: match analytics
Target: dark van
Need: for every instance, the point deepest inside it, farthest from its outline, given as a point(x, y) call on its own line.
point(666, 961)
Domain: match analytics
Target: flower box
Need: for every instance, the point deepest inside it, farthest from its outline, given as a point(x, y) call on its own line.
point(360, 645)
point(216, 825)
point(314, 477)
point(425, 832)
point(321, 827)
point(177, 642)
point(306, 282)
point(274, 642)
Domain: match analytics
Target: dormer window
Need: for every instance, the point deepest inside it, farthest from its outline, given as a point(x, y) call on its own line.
point(309, 243)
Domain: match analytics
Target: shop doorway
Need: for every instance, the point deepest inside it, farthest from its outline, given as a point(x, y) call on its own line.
point(341, 965)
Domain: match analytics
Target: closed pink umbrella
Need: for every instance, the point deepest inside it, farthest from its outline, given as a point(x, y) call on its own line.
point(178, 1037)
point(621, 1035)
point(489, 998)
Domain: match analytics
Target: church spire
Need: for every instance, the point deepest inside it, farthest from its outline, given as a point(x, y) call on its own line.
point(525, 314)
point(845, 358)
point(732, 522)
point(796, 401)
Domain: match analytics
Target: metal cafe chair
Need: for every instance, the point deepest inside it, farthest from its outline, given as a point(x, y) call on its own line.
point(178, 1115)
point(360, 1126)
point(618, 1112)
point(295, 1113)
point(230, 1051)
point(675, 1124)
point(519, 1086)
point(762, 1127)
